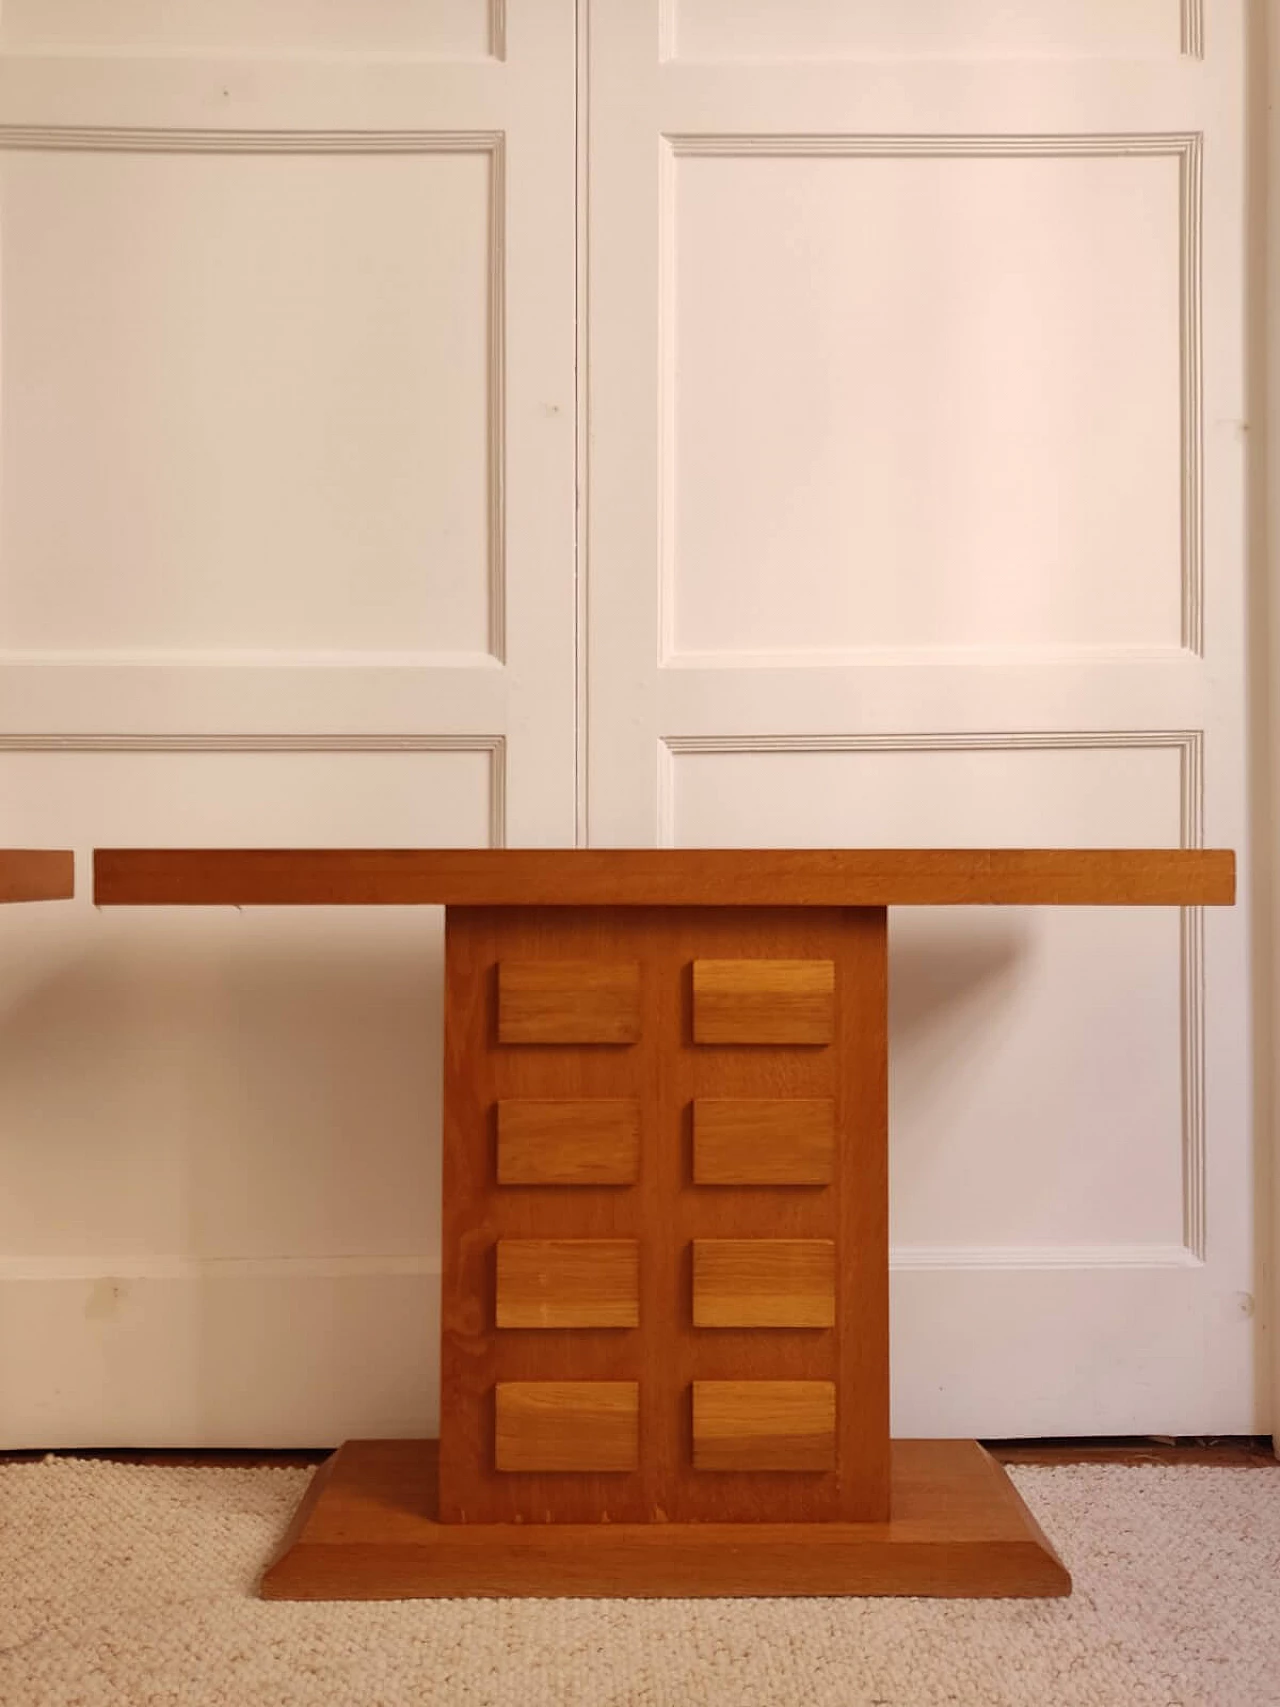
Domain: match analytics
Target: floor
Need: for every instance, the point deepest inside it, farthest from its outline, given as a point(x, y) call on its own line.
point(132, 1584)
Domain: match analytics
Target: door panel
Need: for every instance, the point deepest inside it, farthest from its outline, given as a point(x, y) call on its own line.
point(916, 519)
point(286, 558)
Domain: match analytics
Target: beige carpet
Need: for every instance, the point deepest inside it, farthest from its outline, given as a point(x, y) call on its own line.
point(130, 1585)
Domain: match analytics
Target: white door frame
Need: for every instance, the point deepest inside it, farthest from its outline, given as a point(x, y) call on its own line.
point(1264, 532)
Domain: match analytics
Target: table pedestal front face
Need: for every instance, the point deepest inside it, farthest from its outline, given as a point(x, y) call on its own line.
point(665, 1292)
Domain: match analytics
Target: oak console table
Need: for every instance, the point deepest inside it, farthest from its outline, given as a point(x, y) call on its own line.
point(665, 1347)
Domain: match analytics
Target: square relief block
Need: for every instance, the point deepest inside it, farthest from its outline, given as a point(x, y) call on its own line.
point(568, 1283)
point(764, 1001)
point(764, 1140)
point(568, 1001)
point(568, 1141)
point(764, 1283)
point(764, 1425)
point(567, 1425)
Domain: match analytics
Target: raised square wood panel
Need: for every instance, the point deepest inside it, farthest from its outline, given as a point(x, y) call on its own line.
point(568, 1141)
point(664, 1212)
point(764, 1283)
point(764, 1425)
point(567, 1426)
point(764, 1140)
point(568, 1283)
point(764, 1001)
point(568, 1001)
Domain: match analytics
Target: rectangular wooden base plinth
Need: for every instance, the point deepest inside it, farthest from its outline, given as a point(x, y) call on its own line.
point(367, 1530)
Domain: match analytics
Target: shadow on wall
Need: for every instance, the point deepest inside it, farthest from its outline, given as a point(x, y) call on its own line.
point(941, 962)
point(220, 1140)
point(226, 1085)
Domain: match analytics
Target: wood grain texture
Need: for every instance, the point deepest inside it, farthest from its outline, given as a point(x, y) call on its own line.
point(568, 1001)
point(370, 1531)
point(764, 1283)
point(566, 1426)
point(663, 877)
point(568, 1283)
point(764, 1140)
point(36, 874)
point(568, 1141)
point(764, 1425)
point(665, 1211)
point(764, 1001)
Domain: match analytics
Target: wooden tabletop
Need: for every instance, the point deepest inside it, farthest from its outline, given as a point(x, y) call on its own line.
point(36, 874)
point(661, 877)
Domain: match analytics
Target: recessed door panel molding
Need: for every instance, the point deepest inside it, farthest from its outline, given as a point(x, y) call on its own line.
point(775, 31)
point(216, 1060)
point(1030, 974)
point(987, 411)
point(384, 537)
point(433, 29)
point(356, 520)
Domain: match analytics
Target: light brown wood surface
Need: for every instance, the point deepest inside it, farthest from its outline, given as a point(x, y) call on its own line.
point(568, 1283)
point(568, 1001)
point(763, 1001)
point(568, 1425)
point(764, 1425)
point(568, 1141)
point(664, 1211)
point(368, 1530)
point(662, 877)
point(36, 874)
point(764, 1283)
point(764, 1140)
point(709, 1412)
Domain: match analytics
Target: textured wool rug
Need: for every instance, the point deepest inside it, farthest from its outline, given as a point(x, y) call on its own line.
point(121, 1584)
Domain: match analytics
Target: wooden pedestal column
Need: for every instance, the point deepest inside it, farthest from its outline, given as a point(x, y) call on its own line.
point(664, 1364)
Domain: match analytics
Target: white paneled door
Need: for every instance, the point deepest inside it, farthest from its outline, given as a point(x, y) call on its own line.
point(916, 518)
point(464, 422)
point(287, 404)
